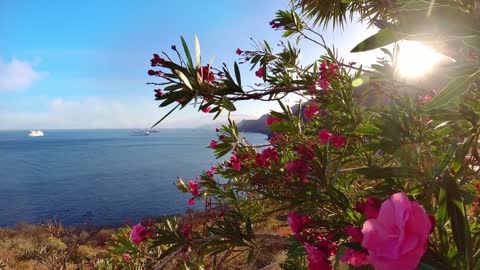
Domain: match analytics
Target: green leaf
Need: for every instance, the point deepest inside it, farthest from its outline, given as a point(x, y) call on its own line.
point(458, 219)
point(237, 74)
point(454, 89)
point(380, 39)
point(227, 104)
point(166, 115)
point(383, 173)
point(187, 53)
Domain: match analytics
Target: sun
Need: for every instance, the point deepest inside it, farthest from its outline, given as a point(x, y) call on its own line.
point(416, 60)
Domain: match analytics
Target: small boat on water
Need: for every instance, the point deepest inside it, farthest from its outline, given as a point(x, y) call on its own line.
point(140, 133)
point(36, 133)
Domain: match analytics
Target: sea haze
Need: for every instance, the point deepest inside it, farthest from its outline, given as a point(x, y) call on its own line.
point(99, 176)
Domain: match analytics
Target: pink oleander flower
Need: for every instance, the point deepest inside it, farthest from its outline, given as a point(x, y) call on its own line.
point(305, 151)
point(238, 51)
point(126, 257)
point(266, 157)
point(272, 120)
point(187, 231)
point(324, 84)
point(138, 233)
point(191, 201)
point(206, 109)
point(324, 135)
point(339, 141)
point(206, 73)
point(397, 238)
point(235, 162)
point(275, 24)
point(317, 260)
point(194, 188)
point(311, 110)
point(355, 233)
point(157, 60)
point(297, 222)
point(297, 168)
point(260, 72)
point(158, 93)
point(355, 258)
point(213, 144)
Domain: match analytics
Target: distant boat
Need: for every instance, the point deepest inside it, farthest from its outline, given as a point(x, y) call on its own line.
point(36, 133)
point(140, 133)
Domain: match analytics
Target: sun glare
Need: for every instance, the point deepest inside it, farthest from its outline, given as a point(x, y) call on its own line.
point(415, 60)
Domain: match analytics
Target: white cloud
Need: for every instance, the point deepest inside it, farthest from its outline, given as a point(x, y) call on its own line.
point(17, 75)
point(102, 112)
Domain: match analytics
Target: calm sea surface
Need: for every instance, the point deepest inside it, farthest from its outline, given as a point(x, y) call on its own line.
point(99, 176)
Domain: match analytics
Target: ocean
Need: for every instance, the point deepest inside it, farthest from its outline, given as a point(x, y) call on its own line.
point(100, 177)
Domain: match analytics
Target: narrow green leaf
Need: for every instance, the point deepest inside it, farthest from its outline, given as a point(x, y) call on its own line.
point(237, 74)
point(454, 89)
point(380, 39)
point(187, 53)
point(227, 104)
point(166, 115)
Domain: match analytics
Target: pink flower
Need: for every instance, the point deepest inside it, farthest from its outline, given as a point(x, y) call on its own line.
point(275, 24)
point(157, 60)
point(339, 141)
point(397, 238)
point(206, 109)
point(260, 72)
point(194, 188)
point(317, 260)
point(324, 135)
point(213, 144)
point(191, 201)
point(297, 222)
point(355, 233)
point(310, 111)
point(297, 168)
point(305, 151)
point(272, 120)
point(126, 257)
point(266, 157)
point(186, 231)
point(158, 93)
point(355, 258)
point(138, 233)
point(235, 163)
point(324, 84)
point(238, 51)
point(206, 74)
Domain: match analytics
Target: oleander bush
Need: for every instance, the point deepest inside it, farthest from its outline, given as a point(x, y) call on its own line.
point(345, 183)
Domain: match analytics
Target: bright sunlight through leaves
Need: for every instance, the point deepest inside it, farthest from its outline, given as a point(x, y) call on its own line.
point(415, 60)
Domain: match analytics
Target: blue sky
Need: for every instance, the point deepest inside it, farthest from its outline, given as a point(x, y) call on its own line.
point(83, 64)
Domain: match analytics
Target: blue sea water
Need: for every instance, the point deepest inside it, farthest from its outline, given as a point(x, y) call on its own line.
point(99, 176)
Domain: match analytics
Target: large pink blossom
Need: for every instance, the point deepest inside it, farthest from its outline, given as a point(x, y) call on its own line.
point(138, 234)
point(339, 140)
point(397, 238)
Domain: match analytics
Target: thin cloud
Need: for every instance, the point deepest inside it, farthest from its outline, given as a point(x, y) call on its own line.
point(18, 75)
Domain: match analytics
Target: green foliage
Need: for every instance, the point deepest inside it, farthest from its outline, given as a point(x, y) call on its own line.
point(337, 150)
